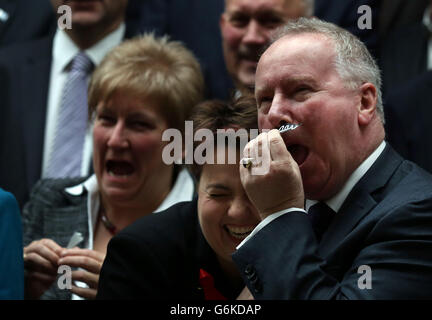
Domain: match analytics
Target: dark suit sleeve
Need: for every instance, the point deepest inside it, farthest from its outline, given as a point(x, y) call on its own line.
point(11, 251)
point(282, 260)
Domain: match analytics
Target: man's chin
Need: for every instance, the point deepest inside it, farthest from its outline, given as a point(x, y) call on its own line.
point(247, 80)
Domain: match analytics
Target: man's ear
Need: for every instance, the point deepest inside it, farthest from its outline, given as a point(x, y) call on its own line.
point(368, 102)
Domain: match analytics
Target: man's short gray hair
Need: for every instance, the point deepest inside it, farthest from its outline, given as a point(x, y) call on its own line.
point(353, 62)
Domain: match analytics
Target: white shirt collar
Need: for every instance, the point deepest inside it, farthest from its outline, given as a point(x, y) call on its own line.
point(183, 190)
point(338, 199)
point(64, 49)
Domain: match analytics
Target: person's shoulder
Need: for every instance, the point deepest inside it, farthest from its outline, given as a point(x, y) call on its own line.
point(172, 222)
point(409, 184)
point(51, 190)
point(7, 199)
point(27, 49)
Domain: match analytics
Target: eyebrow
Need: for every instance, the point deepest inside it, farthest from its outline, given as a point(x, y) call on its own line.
point(217, 186)
point(288, 82)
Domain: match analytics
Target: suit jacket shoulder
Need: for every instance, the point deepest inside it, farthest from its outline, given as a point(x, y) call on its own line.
point(158, 257)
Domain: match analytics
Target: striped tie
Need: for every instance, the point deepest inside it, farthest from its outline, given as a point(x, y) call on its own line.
point(67, 151)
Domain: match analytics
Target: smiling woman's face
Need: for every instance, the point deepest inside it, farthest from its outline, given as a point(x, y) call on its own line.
point(127, 150)
point(225, 213)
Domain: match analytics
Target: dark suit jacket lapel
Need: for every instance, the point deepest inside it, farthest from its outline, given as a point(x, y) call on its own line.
point(35, 78)
point(361, 200)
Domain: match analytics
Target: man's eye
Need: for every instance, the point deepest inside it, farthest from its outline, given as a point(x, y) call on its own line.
point(302, 92)
point(264, 103)
point(271, 23)
point(239, 21)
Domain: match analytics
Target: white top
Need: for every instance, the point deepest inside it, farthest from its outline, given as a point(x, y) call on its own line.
point(428, 23)
point(336, 201)
point(63, 52)
point(183, 190)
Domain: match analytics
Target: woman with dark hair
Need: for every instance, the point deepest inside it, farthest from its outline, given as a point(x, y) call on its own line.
point(185, 252)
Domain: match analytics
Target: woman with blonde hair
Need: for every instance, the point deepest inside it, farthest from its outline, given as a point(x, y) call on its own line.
point(142, 87)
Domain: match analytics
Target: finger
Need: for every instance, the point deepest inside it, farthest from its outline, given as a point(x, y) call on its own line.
point(91, 279)
point(277, 147)
point(84, 262)
point(83, 252)
point(86, 293)
point(41, 277)
point(48, 243)
point(46, 248)
point(35, 262)
point(54, 246)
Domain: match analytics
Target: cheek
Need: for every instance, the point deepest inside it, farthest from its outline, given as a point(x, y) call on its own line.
point(210, 215)
point(232, 37)
point(148, 145)
point(100, 139)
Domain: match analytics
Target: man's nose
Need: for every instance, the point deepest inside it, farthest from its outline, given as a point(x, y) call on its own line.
point(280, 112)
point(118, 137)
point(255, 34)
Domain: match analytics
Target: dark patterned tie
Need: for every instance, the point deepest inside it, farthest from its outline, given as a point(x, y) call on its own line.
point(321, 216)
point(67, 151)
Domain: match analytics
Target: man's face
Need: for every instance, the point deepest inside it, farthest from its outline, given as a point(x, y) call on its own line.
point(246, 27)
point(296, 82)
point(88, 13)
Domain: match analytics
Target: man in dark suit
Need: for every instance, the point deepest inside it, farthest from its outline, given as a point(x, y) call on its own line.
point(409, 120)
point(32, 77)
point(395, 14)
point(23, 20)
point(345, 14)
point(404, 52)
point(365, 228)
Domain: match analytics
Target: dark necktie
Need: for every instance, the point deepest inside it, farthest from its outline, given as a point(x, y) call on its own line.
point(321, 216)
point(66, 155)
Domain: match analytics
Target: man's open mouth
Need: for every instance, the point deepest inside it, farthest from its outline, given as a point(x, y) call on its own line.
point(299, 153)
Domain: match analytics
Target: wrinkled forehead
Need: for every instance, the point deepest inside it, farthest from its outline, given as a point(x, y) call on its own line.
point(299, 46)
point(296, 56)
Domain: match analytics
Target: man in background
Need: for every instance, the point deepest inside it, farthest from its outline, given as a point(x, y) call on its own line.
point(43, 85)
point(246, 27)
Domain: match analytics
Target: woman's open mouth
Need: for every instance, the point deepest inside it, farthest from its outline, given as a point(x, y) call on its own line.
point(118, 168)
